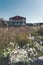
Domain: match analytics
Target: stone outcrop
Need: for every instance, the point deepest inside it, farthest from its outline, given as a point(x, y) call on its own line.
point(39, 61)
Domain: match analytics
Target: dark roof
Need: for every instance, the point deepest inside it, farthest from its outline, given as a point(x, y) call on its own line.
point(17, 18)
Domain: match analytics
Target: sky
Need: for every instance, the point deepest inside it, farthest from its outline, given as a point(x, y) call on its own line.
point(31, 9)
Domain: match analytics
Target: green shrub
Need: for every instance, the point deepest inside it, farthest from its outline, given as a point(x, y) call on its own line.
point(22, 39)
point(40, 31)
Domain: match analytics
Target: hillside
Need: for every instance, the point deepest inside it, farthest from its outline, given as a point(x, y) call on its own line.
point(20, 45)
point(20, 29)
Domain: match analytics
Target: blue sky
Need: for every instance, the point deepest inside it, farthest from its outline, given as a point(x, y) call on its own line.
point(31, 9)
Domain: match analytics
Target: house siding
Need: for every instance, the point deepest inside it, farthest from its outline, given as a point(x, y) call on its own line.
point(17, 21)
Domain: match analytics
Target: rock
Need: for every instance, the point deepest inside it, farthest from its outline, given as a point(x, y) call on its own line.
point(41, 58)
point(39, 61)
